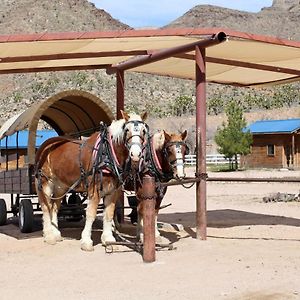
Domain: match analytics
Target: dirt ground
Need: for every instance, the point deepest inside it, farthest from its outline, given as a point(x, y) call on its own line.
point(252, 252)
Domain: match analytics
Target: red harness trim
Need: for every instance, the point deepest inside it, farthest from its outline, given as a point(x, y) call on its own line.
point(96, 148)
point(155, 156)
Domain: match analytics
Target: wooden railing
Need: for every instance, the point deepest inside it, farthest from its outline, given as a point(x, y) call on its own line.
point(215, 159)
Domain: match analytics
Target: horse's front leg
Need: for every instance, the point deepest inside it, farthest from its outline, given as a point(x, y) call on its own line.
point(91, 213)
point(140, 223)
point(108, 215)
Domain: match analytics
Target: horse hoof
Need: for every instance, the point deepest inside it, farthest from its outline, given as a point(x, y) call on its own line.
point(50, 240)
point(59, 238)
point(158, 239)
point(107, 239)
point(140, 238)
point(87, 247)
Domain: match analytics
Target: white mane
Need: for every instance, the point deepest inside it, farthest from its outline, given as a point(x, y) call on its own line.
point(116, 128)
point(158, 140)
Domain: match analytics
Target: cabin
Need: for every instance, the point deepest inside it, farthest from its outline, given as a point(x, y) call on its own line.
point(276, 144)
point(13, 148)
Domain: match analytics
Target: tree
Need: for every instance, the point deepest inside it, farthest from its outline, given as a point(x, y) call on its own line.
point(231, 138)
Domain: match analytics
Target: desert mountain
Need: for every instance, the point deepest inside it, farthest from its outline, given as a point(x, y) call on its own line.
point(34, 16)
point(282, 19)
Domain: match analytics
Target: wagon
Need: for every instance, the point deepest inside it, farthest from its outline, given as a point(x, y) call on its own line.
point(72, 113)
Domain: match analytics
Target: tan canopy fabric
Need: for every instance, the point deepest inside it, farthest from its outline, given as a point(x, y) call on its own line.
point(67, 112)
point(244, 60)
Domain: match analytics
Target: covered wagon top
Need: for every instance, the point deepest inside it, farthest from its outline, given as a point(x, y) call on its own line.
point(71, 112)
point(274, 126)
point(244, 60)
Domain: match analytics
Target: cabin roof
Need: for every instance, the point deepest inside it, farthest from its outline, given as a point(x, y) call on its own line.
point(41, 136)
point(274, 126)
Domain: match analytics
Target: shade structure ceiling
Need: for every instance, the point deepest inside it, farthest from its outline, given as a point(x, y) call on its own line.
point(243, 60)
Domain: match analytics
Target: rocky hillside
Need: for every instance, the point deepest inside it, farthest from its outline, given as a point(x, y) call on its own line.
point(33, 16)
point(154, 93)
point(282, 19)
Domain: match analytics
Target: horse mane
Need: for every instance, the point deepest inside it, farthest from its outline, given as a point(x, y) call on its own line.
point(116, 128)
point(158, 140)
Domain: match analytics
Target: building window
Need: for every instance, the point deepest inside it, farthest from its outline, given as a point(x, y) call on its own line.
point(271, 150)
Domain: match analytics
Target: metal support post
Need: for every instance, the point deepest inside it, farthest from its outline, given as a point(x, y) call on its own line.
point(201, 220)
point(149, 198)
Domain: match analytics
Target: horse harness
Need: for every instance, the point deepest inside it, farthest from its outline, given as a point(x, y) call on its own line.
point(103, 157)
point(153, 163)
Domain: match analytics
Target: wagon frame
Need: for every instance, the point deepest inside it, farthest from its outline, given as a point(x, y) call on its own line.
point(73, 113)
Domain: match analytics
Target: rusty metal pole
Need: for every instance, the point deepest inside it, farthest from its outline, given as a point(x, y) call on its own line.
point(120, 106)
point(120, 92)
point(201, 220)
point(293, 150)
point(149, 197)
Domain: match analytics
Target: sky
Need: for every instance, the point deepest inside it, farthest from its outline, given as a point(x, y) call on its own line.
point(157, 13)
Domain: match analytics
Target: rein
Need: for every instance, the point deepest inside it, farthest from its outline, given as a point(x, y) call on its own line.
point(154, 164)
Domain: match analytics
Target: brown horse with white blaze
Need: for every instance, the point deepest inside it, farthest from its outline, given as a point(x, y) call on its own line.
point(168, 152)
point(95, 166)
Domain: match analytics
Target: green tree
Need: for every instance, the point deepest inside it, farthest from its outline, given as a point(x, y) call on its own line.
point(230, 137)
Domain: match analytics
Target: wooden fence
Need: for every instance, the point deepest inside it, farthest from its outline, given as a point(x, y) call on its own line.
point(211, 159)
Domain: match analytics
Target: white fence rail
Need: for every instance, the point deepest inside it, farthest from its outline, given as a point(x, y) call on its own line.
point(213, 159)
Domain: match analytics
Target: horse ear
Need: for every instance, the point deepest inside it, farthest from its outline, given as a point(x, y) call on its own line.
point(124, 115)
point(167, 136)
point(144, 116)
point(183, 135)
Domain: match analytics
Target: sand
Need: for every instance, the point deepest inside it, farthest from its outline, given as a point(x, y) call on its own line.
point(252, 252)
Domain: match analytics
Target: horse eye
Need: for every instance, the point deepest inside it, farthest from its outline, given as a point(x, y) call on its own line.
point(144, 131)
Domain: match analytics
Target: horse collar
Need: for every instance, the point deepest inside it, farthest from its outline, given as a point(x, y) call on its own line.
point(155, 158)
point(113, 150)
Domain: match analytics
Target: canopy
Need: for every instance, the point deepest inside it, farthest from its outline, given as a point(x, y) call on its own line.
point(244, 60)
point(68, 112)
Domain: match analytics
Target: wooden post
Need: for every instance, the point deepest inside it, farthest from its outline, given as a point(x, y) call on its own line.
point(201, 220)
point(120, 92)
point(293, 150)
point(149, 197)
point(120, 106)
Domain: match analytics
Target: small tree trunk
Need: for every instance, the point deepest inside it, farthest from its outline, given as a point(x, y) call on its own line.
point(236, 161)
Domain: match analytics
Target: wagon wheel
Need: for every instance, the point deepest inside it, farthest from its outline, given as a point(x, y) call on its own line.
point(25, 216)
point(74, 201)
point(3, 212)
point(133, 203)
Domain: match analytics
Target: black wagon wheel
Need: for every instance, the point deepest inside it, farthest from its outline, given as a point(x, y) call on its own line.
point(25, 216)
point(74, 203)
point(3, 212)
point(133, 203)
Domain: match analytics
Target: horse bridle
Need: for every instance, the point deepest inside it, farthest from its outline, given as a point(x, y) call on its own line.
point(178, 144)
point(136, 132)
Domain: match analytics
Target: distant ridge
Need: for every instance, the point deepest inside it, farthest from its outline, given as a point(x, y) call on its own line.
point(34, 16)
point(282, 19)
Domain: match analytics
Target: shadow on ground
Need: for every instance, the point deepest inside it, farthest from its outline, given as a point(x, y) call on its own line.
point(224, 218)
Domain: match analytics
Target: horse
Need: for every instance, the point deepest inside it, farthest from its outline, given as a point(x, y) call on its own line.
point(166, 161)
point(96, 166)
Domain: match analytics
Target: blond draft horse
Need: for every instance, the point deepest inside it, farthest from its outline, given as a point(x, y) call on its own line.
point(94, 166)
point(168, 153)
